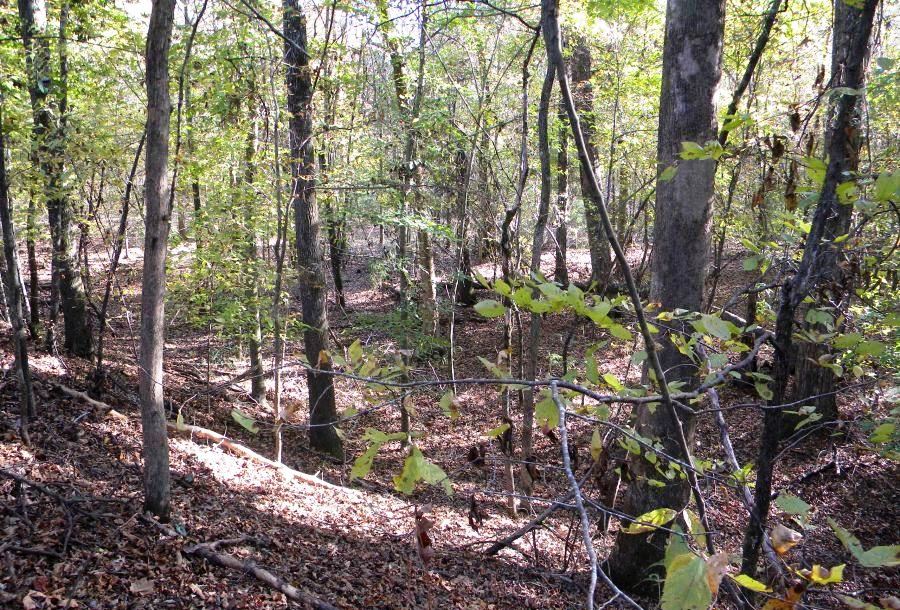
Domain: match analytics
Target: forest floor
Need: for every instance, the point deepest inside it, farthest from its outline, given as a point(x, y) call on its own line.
point(73, 535)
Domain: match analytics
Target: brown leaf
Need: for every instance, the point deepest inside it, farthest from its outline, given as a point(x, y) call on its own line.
point(784, 539)
point(716, 567)
point(142, 586)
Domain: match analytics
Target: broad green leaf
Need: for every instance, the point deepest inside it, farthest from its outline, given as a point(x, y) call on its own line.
point(613, 382)
point(871, 348)
point(883, 433)
point(650, 521)
point(668, 173)
point(887, 187)
point(716, 326)
point(620, 332)
point(494, 433)
point(355, 351)
point(686, 586)
point(876, 557)
point(502, 287)
point(694, 525)
point(246, 422)
point(416, 468)
point(750, 583)
point(490, 308)
point(792, 504)
point(762, 388)
point(546, 412)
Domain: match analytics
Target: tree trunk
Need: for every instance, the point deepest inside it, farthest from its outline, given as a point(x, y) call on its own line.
point(157, 221)
point(48, 153)
point(322, 410)
point(582, 90)
point(15, 296)
point(819, 265)
point(561, 269)
point(691, 70)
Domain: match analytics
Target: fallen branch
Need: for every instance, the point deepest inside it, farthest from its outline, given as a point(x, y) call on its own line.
point(208, 551)
point(505, 542)
point(245, 452)
point(97, 404)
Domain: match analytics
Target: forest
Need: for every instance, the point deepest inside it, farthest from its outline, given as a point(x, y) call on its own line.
point(482, 304)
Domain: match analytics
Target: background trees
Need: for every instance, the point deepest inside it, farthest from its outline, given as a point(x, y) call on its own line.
point(366, 236)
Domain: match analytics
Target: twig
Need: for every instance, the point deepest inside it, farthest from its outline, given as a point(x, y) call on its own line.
point(505, 542)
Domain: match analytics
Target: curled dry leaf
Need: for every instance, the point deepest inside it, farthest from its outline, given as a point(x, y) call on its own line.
point(716, 567)
point(784, 539)
point(423, 540)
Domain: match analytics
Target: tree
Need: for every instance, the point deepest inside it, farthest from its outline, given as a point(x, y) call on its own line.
point(157, 221)
point(582, 90)
point(49, 154)
point(310, 265)
point(819, 266)
point(15, 295)
point(692, 55)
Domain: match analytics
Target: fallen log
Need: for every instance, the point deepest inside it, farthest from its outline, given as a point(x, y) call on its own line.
point(209, 551)
point(245, 452)
point(205, 433)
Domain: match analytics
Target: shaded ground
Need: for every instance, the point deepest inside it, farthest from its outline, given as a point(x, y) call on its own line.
point(93, 550)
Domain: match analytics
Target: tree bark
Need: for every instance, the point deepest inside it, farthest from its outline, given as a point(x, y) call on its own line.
point(15, 294)
point(157, 221)
point(561, 269)
point(48, 153)
point(582, 90)
point(322, 411)
point(819, 265)
point(691, 69)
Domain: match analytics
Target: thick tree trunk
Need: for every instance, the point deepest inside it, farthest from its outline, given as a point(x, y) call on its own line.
point(157, 221)
point(691, 70)
point(49, 154)
point(582, 90)
point(819, 265)
point(310, 263)
point(15, 297)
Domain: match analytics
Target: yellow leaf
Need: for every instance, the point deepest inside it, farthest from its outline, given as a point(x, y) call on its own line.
point(596, 445)
point(790, 601)
point(784, 539)
point(823, 576)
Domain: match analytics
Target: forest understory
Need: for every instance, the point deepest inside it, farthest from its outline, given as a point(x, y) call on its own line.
point(74, 535)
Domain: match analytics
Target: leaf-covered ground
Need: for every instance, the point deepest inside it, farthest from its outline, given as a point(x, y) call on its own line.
point(73, 535)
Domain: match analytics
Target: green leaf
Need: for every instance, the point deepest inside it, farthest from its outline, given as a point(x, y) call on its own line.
point(887, 186)
point(668, 173)
point(546, 412)
point(494, 433)
point(751, 583)
point(416, 468)
point(856, 603)
point(716, 326)
point(883, 433)
point(363, 464)
point(792, 505)
point(355, 351)
point(650, 521)
point(871, 348)
point(694, 525)
point(876, 557)
point(502, 287)
point(620, 332)
point(686, 586)
point(245, 421)
point(450, 405)
point(490, 308)
point(762, 388)
point(613, 382)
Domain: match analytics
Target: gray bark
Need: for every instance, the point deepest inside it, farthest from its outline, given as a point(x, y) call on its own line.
point(310, 264)
point(157, 221)
point(691, 69)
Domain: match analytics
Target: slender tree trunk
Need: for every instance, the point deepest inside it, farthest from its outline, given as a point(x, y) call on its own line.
point(15, 296)
point(157, 221)
point(691, 69)
point(582, 89)
point(322, 410)
point(34, 289)
point(254, 293)
point(819, 265)
point(118, 242)
point(561, 269)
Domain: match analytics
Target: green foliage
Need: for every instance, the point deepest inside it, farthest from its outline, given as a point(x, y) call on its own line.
point(875, 557)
